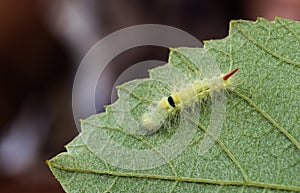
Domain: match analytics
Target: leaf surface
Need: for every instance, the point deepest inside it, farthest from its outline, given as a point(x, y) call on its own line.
point(259, 147)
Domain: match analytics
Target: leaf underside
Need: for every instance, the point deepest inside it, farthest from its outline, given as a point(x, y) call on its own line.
point(259, 148)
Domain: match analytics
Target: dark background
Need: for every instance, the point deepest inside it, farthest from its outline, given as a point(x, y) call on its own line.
point(41, 45)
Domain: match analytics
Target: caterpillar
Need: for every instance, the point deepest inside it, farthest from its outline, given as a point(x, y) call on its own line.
point(174, 90)
point(157, 114)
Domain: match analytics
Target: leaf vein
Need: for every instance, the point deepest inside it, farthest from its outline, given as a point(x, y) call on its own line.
point(226, 150)
point(269, 118)
point(143, 141)
point(289, 29)
point(264, 48)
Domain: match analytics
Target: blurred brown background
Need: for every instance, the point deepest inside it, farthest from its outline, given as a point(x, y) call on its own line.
point(41, 45)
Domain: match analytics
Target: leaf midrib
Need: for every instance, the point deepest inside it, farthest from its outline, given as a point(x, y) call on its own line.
point(179, 179)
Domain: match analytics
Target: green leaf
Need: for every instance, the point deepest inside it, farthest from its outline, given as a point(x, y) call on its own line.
point(258, 149)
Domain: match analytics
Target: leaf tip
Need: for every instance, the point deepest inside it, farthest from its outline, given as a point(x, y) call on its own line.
point(205, 41)
point(278, 18)
point(47, 162)
point(232, 22)
point(172, 49)
point(259, 18)
point(107, 106)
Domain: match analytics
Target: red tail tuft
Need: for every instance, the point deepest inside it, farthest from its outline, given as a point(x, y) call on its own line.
point(225, 77)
